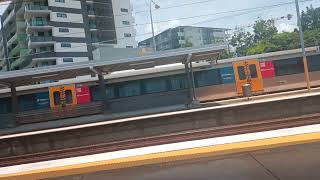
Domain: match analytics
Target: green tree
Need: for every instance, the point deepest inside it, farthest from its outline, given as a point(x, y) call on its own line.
point(312, 37)
point(242, 40)
point(225, 55)
point(310, 18)
point(187, 44)
point(264, 29)
point(262, 47)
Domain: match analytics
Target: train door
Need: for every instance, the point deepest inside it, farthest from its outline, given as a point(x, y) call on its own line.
point(248, 72)
point(63, 96)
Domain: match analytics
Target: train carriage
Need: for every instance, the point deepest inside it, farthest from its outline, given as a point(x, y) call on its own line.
point(167, 85)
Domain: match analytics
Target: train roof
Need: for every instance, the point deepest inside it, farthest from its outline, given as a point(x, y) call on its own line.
point(72, 70)
point(276, 55)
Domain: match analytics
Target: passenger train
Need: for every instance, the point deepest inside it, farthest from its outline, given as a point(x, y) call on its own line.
point(167, 85)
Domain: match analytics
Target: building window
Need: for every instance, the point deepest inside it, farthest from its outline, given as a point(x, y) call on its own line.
point(124, 10)
point(62, 15)
point(63, 30)
point(67, 60)
point(129, 46)
point(125, 22)
point(66, 45)
point(60, 1)
point(127, 35)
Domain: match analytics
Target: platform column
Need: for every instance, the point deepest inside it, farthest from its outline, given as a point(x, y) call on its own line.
point(14, 105)
point(194, 97)
point(190, 96)
point(103, 91)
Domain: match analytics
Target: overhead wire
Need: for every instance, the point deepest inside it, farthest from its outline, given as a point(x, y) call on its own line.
point(198, 16)
point(210, 20)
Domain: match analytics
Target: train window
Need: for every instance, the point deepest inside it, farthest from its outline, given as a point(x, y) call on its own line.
point(242, 73)
point(155, 85)
point(111, 92)
point(5, 105)
point(27, 102)
point(129, 89)
point(288, 66)
point(207, 78)
point(314, 63)
point(178, 82)
point(56, 98)
point(253, 71)
point(68, 96)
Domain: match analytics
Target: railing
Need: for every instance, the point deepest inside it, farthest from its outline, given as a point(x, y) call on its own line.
point(36, 7)
point(40, 38)
point(22, 37)
point(92, 26)
point(38, 23)
point(91, 12)
point(21, 24)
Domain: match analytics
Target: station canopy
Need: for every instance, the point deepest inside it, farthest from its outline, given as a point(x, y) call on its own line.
point(72, 70)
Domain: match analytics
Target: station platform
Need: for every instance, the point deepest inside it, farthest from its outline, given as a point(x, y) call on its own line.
point(109, 119)
point(259, 158)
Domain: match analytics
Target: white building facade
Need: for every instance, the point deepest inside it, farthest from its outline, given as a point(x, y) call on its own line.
point(50, 32)
point(124, 24)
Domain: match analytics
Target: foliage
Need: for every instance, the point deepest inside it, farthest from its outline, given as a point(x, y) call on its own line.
point(310, 19)
point(242, 40)
point(225, 55)
point(187, 44)
point(262, 47)
point(265, 37)
point(264, 29)
point(312, 37)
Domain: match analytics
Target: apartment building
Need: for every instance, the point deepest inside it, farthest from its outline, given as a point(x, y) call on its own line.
point(187, 36)
point(124, 23)
point(49, 32)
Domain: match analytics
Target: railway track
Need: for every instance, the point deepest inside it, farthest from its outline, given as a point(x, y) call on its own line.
point(163, 139)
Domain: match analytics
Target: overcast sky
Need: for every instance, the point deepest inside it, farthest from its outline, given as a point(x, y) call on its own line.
point(223, 20)
point(229, 20)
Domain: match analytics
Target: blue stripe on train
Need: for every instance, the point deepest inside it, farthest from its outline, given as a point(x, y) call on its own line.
point(227, 75)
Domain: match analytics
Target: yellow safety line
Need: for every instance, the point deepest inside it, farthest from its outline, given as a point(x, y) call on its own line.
point(187, 154)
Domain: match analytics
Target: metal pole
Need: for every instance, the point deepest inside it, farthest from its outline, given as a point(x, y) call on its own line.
point(153, 38)
point(103, 91)
point(194, 98)
point(305, 63)
point(5, 48)
point(186, 65)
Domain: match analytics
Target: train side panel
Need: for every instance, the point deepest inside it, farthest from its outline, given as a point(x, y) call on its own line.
point(83, 94)
point(62, 96)
point(267, 69)
point(227, 75)
point(248, 72)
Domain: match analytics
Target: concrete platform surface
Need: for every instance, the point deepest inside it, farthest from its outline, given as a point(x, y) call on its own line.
point(299, 162)
point(251, 163)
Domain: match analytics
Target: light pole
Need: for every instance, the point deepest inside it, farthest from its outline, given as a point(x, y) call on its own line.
point(305, 63)
point(153, 38)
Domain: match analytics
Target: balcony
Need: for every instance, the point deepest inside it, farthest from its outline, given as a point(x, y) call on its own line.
point(35, 25)
point(43, 55)
point(12, 39)
point(21, 24)
point(35, 10)
point(8, 18)
point(92, 26)
point(35, 41)
point(22, 37)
